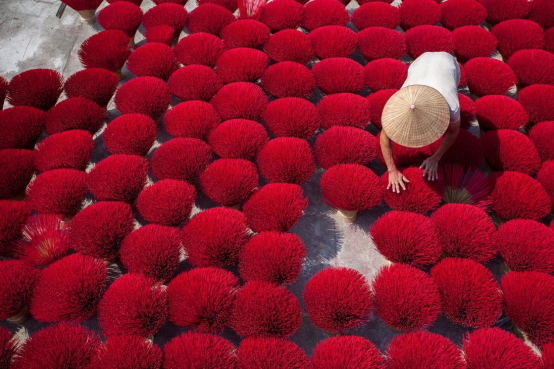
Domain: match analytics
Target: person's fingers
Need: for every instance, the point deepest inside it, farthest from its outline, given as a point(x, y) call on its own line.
point(388, 186)
point(405, 179)
point(403, 185)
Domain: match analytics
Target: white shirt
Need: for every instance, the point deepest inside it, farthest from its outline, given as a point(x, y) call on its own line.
point(440, 71)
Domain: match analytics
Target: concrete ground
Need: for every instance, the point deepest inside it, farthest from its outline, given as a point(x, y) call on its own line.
point(32, 37)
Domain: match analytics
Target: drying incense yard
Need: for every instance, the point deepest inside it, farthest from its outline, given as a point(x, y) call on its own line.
point(200, 185)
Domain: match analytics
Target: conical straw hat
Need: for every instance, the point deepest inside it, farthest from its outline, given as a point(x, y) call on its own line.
point(416, 116)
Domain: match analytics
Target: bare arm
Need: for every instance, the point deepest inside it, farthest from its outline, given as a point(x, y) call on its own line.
point(387, 151)
point(396, 178)
point(430, 164)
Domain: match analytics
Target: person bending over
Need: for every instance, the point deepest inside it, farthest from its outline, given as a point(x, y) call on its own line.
point(425, 109)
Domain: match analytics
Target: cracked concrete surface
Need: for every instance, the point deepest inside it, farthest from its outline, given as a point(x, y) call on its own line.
point(32, 37)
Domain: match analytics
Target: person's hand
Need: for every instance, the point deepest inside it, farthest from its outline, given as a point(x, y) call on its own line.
point(396, 180)
point(430, 166)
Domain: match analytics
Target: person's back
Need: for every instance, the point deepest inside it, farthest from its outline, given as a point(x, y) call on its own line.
point(440, 71)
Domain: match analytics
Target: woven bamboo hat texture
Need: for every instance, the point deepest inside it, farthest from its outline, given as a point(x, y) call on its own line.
point(416, 116)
